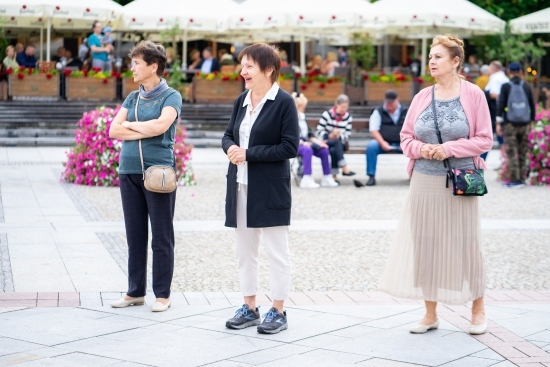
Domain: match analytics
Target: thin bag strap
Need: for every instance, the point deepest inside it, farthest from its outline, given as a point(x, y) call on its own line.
point(446, 162)
point(140, 151)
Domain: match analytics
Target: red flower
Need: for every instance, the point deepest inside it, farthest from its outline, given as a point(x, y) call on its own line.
point(22, 68)
point(9, 71)
point(309, 81)
point(225, 78)
point(322, 85)
point(20, 75)
point(366, 77)
point(68, 72)
point(105, 81)
point(31, 70)
point(85, 72)
point(198, 73)
point(236, 78)
point(382, 73)
point(329, 81)
point(303, 87)
point(298, 75)
point(165, 73)
point(215, 73)
point(49, 75)
point(420, 80)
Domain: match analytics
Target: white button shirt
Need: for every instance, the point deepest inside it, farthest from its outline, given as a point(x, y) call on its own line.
point(246, 126)
point(496, 80)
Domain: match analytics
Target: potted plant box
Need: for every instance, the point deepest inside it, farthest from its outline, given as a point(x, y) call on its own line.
point(90, 89)
point(375, 91)
point(323, 92)
point(217, 90)
point(34, 85)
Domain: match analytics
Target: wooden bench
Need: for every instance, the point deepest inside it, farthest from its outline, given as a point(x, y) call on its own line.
point(358, 124)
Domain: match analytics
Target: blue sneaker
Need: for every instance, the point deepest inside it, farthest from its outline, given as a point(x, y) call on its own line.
point(273, 322)
point(244, 317)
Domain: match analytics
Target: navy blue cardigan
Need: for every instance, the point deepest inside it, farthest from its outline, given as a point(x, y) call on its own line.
point(274, 139)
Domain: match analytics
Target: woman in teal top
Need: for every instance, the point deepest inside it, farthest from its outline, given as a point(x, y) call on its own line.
point(158, 111)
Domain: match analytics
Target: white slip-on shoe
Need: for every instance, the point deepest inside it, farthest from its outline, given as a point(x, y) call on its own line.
point(121, 303)
point(478, 329)
point(161, 307)
point(421, 329)
point(328, 181)
point(308, 182)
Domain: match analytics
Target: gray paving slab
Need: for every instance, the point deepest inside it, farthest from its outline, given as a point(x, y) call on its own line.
point(379, 362)
point(399, 345)
point(488, 354)
point(322, 340)
point(9, 345)
point(524, 325)
point(471, 362)
point(543, 336)
point(81, 359)
point(271, 354)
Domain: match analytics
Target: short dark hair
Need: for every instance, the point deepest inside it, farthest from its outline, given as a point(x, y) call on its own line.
point(209, 49)
point(151, 53)
point(266, 56)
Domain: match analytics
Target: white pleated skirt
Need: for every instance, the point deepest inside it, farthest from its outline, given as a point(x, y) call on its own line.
point(436, 254)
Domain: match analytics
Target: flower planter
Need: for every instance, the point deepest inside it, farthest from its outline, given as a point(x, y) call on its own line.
point(128, 86)
point(287, 85)
point(3, 90)
point(324, 92)
point(216, 91)
point(34, 85)
point(90, 89)
point(375, 91)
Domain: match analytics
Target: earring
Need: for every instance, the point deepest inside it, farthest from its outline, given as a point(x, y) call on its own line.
point(454, 73)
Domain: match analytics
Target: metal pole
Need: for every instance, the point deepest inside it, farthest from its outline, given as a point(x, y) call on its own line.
point(48, 38)
point(294, 78)
point(302, 52)
point(424, 47)
point(184, 49)
point(41, 43)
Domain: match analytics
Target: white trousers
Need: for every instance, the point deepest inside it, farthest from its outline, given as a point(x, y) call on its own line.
point(247, 242)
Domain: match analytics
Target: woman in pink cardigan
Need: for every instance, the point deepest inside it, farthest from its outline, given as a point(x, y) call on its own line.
point(437, 254)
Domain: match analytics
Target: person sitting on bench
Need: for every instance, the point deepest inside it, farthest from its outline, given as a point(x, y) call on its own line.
point(385, 125)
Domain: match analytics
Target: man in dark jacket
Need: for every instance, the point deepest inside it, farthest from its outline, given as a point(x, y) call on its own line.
point(385, 125)
point(208, 64)
point(26, 58)
point(515, 126)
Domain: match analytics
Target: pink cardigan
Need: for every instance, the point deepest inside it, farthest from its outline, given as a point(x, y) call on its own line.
point(476, 109)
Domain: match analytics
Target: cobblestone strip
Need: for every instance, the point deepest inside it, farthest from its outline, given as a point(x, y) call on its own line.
point(86, 209)
point(117, 248)
point(6, 279)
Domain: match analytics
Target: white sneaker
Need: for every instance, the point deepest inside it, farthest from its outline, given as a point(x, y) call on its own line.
point(308, 183)
point(328, 181)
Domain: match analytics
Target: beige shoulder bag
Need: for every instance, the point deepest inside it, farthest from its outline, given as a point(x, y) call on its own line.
point(161, 179)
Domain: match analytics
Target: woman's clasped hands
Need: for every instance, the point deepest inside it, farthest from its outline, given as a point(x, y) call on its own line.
point(236, 154)
point(433, 151)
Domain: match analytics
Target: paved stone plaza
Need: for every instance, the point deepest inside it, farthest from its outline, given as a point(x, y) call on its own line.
point(63, 259)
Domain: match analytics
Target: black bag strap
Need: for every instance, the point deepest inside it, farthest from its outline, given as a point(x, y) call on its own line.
point(446, 162)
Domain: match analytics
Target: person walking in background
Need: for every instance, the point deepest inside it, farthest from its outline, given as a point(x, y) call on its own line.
point(483, 79)
point(208, 63)
point(436, 255)
point(100, 53)
point(83, 51)
point(158, 107)
point(515, 112)
point(334, 129)
point(311, 146)
point(385, 125)
point(26, 58)
point(9, 61)
point(497, 78)
point(262, 136)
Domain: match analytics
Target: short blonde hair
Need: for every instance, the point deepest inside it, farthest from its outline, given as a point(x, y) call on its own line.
point(331, 56)
point(454, 45)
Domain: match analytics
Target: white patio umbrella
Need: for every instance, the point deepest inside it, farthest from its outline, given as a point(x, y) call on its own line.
point(195, 19)
point(427, 18)
point(301, 18)
point(537, 22)
point(61, 14)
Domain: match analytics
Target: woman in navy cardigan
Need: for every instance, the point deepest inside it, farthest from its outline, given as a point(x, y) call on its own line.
point(262, 135)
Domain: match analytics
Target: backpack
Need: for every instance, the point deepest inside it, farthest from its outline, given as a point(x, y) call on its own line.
point(518, 110)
